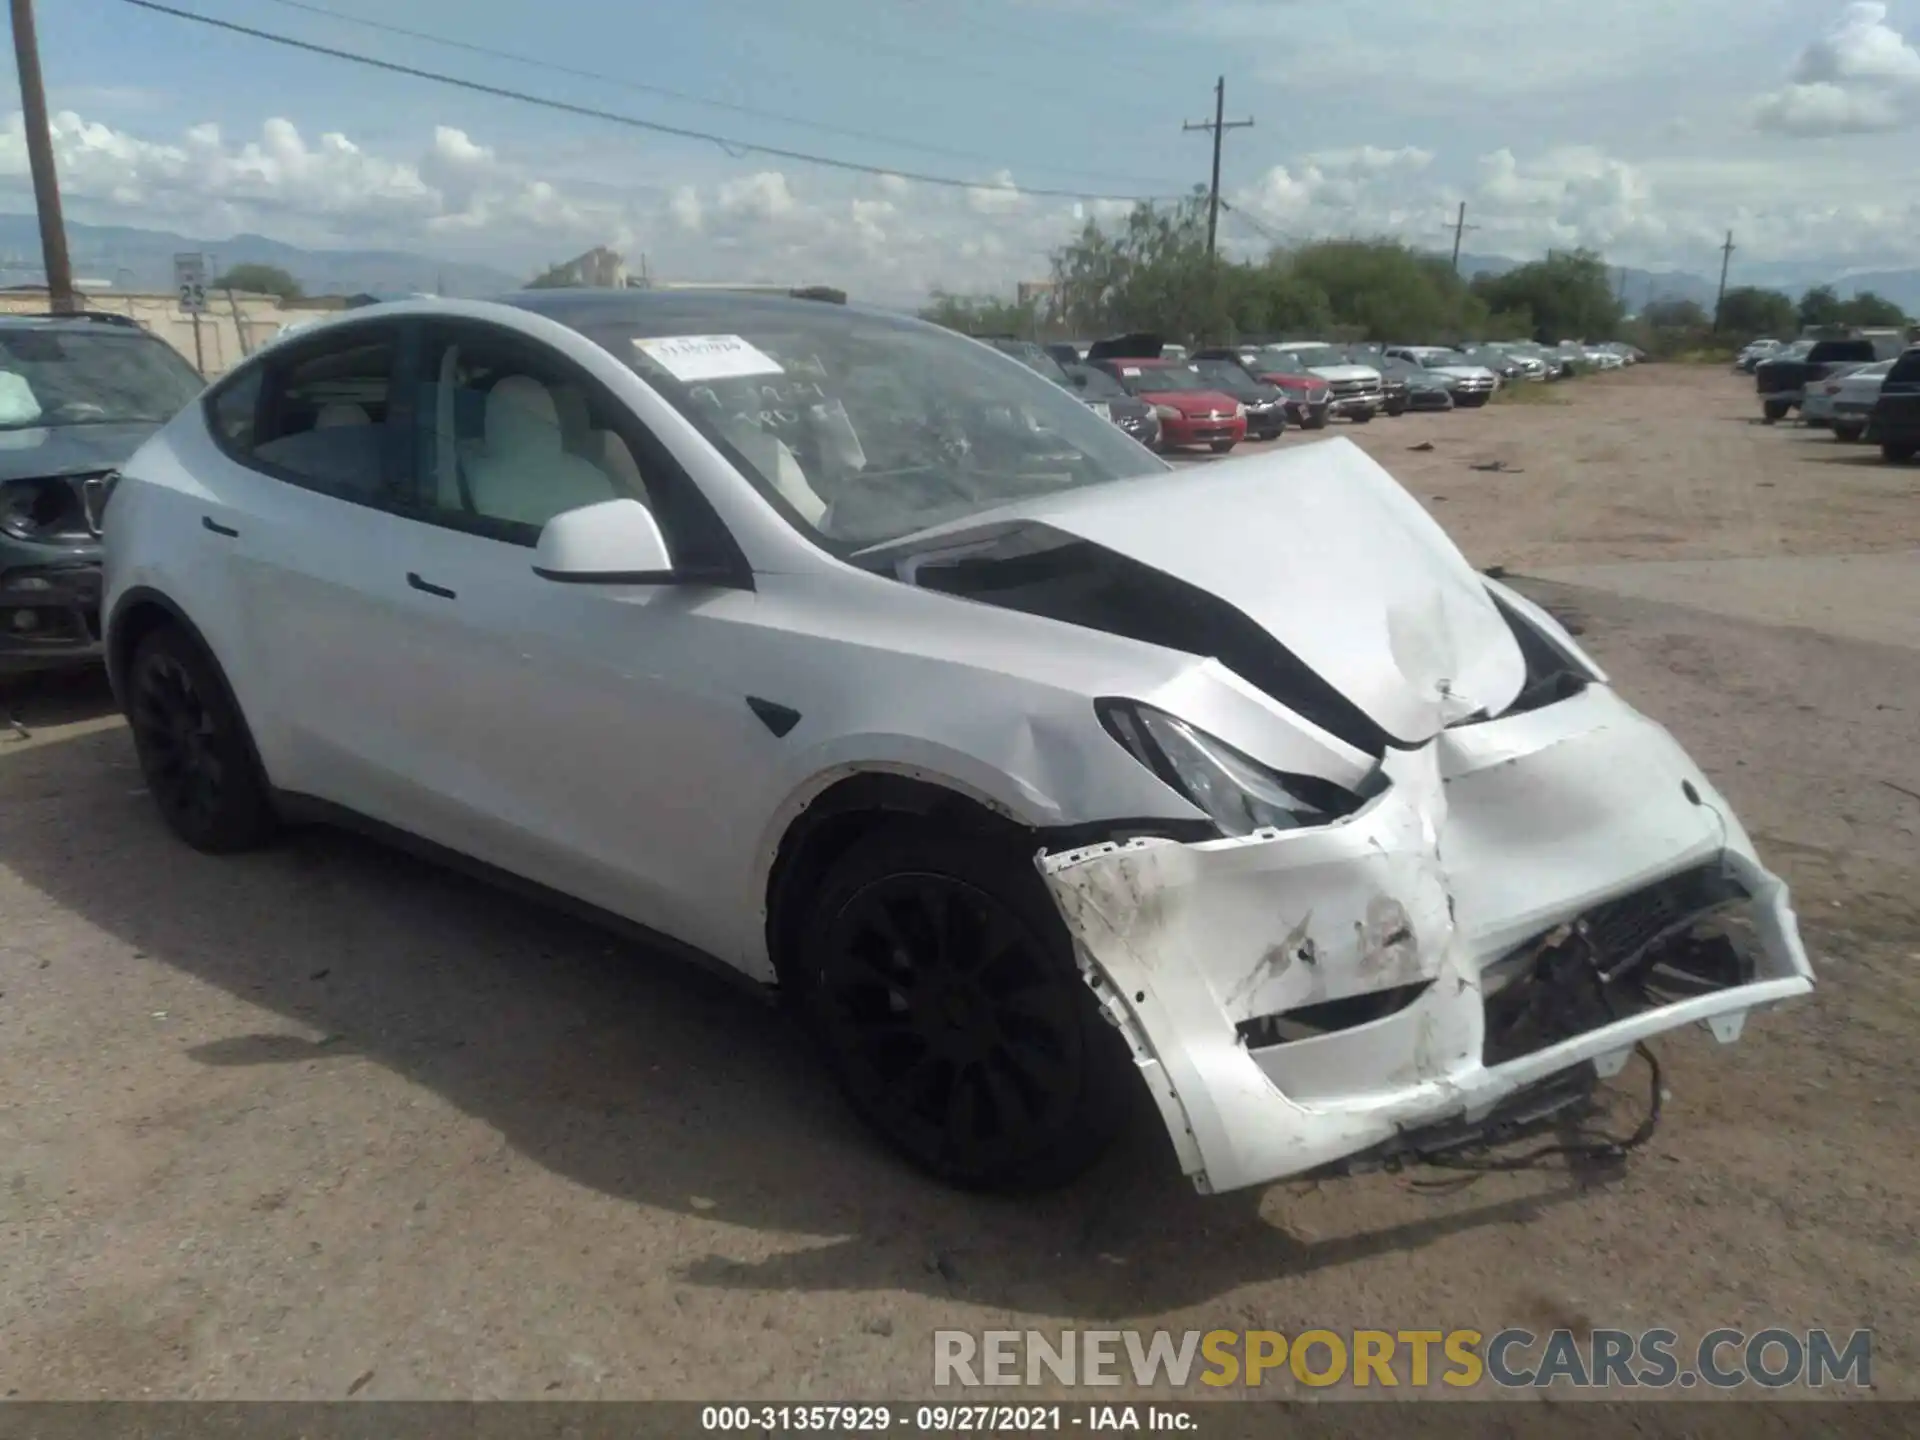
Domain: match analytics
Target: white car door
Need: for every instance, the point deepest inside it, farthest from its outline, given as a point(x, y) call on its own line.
point(593, 738)
point(308, 534)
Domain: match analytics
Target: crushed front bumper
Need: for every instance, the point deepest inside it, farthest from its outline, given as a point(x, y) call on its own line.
point(1296, 998)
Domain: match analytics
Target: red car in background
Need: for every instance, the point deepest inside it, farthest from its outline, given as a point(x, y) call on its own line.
point(1189, 412)
point(1309, 398)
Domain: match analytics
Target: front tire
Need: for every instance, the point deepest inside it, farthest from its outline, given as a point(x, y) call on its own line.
point(1221, 447)
point(1314, 422)
point(1848, 434)
point(1774, 411)
point(1362, 417)
point(1897, 451)
point(193, 746)
point(941, 985)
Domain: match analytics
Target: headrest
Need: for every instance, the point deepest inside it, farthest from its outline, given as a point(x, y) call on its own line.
point(521, 415)
point(339, 413)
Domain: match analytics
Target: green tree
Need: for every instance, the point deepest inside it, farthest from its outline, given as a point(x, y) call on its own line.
point(1675, 314)
point(1869, 309)
point(1569, 295)
point(1381, 290)
point(1752, 313)
point(1819, 308)
point(259, 280)
point(1152, 274)
point(982, 315)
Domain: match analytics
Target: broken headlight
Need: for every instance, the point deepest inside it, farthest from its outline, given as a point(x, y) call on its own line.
point(1239, 794)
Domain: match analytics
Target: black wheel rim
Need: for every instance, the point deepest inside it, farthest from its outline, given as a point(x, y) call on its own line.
point(954, 1030)
point(178, 737)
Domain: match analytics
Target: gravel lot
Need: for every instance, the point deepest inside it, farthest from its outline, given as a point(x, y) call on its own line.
point(322, 1120)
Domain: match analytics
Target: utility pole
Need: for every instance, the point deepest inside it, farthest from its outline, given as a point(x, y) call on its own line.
point(1460, 228)
point(1219, 125)
point(46, 180)
point(1726, 260)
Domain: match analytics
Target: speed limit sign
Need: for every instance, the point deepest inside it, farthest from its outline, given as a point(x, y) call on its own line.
point(190, 282)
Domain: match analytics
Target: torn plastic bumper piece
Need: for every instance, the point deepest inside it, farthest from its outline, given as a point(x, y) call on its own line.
point(1294, 998)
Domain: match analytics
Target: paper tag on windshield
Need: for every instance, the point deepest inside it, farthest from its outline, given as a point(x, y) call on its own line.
point(707, 357)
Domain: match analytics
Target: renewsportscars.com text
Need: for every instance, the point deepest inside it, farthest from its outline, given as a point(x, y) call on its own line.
point(1772, 1358)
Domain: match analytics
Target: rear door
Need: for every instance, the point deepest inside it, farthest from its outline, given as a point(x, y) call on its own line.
point(317, 439)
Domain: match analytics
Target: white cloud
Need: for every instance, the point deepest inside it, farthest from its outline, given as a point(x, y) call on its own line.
point(458, 195)
point(1861, 76)
point(1001, 197)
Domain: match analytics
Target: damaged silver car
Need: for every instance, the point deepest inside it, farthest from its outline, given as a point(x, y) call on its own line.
point(864, 659)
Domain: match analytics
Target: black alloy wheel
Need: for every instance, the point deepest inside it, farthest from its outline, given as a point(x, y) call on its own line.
point(952, 1016)
point(193, 747)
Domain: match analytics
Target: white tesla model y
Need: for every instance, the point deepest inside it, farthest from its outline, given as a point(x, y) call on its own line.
point(864, 659)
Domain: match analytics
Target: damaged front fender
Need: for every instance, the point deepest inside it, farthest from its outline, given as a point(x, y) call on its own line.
point(1295, 998)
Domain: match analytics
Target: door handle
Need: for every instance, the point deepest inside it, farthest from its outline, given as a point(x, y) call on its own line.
point(208, 522)
point(429, 587)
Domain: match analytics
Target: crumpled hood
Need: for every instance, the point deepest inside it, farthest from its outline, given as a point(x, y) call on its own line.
point(1317, 545)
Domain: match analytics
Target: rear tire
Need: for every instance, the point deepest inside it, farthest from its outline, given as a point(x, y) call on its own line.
point(1848, 434)
point(1363, 417)
point(1314, 422)
point(1898, 451)
point(941, 985)
point(194, 747)
point(1774, 411)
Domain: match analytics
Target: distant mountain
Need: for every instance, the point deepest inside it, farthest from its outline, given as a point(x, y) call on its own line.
point(133, 259)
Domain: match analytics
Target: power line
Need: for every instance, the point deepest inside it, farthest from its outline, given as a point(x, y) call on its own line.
point(633, 122)
point(643, 88)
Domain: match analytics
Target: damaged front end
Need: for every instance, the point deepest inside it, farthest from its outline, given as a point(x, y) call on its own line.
point(1520, 899)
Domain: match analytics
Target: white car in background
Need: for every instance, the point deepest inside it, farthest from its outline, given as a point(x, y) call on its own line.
point(1816, 405)
point(1473, 385)
point(864, 660)
point(1355, 391)
point(1848, 402)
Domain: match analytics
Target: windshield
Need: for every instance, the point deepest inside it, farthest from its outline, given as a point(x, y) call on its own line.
point(1095, 384)
point(858, 426)
point(63, 377)
point(1153, 379)
point(1799, 350)
point(1032, 355)
point(1445, 357)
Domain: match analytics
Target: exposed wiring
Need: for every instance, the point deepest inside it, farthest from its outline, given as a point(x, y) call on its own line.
point(1476, 1156)
point(631, 121)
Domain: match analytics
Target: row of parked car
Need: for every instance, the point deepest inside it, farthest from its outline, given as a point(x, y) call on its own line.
point(1169, 397)
point(1862, 387)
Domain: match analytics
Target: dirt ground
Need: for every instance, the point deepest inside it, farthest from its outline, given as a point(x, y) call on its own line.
point(323, 1120)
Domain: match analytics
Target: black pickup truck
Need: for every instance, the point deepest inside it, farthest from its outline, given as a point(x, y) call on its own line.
point(1895, 422)
point(1783, 380)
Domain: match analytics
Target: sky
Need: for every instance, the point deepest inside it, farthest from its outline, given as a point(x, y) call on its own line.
point(1646, 129)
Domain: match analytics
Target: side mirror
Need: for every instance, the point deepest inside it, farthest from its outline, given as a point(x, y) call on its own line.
point(616, 542)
